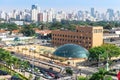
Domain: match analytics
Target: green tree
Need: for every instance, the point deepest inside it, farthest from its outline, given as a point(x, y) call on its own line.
point(104, 51)
point(27, 30)
point(30, 77)
point(12, 26)
point(69, 71)
point(82, 78)
point(99, 75)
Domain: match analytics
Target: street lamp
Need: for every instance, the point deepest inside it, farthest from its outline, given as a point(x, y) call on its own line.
point(107, 64)
point(33, 49)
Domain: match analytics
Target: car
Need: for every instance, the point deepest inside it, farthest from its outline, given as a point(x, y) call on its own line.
point(42, 71)
point(29, 70)
point(47, 76)
point(51, 62)
point(12, 52)
point(57, 76)
point(3, 72)
point(50, 69)
point(40, 74)
point(37, 78)
point(51, 74)
point(15, 78)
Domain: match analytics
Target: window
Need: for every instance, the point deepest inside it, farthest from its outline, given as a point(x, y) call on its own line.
point(95, 30)
point(80, 37)
point(83, 37)
point(90, 38)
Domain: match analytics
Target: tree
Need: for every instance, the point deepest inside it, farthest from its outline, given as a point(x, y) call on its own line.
point(30, 76)
point(99, 75)
point(12, 26)
point(82, 78)
point(108, 26)
point(104, 51)
point(111, 50)
point(95, 52)
point(69, 71)
point(27, 30)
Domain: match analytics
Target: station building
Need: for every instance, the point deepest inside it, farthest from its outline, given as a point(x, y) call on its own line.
point(85, 36)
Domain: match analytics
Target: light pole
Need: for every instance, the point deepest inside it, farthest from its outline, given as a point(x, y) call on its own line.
point(33, 49)
point(98, 60)
point(107, 64)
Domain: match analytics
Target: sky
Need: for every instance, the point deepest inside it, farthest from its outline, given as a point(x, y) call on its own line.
point(8, 5)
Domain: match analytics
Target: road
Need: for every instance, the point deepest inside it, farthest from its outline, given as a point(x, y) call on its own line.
point(84, 71)
point(41, 63)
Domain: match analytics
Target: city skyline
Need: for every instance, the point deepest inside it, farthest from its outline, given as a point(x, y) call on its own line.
point(102, 5)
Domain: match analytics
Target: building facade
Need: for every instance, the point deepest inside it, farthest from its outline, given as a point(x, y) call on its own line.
point(85, 36)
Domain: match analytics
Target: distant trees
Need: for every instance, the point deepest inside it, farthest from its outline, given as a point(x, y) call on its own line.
point(8, 26)
point(27, 30)
point(66, 24)
point(71, 25)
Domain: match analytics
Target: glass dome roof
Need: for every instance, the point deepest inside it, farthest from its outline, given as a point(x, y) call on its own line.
point(72, 51)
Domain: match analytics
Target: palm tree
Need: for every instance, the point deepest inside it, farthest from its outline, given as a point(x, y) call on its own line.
point(15, 62)
point(99, 75)
point(30, 77)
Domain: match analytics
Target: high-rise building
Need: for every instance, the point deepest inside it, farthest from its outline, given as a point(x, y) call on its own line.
point(45, 16)
point(110, 14)
point(40, 17)
point(34, 12)
point(50, 15)
point(34, 6)
point(92, 12)
point(3, 15)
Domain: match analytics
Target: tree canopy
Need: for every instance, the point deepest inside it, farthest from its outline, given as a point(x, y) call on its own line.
point(27, 30)
point(8, 26)
point(100, 75)
point(104, 51)
point(70, 25)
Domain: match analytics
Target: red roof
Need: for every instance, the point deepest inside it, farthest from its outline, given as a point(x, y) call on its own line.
point(15, 31)
point(2, 31)
point(43, 32)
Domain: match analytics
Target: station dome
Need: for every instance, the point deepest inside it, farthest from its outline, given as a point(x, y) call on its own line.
point(72, 51)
